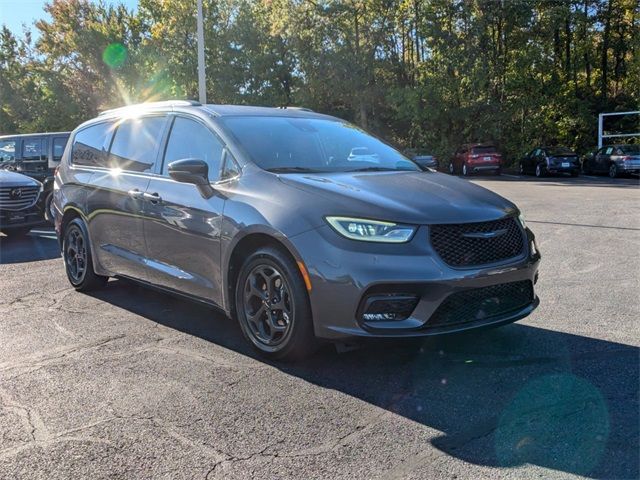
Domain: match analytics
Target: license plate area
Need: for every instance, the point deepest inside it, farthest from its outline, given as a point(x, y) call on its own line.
point(16, 217)
point(487, 159)
point(566, 164)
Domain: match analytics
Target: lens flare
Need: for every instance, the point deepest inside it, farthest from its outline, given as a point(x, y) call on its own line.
point(115, 55)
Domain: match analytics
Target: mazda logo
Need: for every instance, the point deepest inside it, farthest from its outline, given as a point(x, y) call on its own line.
point(15, 193)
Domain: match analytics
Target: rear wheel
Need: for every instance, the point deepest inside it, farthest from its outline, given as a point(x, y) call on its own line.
point(465, 170)
point(613, 171)
point(522, 172)
point(76, 251)
point(452, 169)
point(539, 171)
point(272, 306)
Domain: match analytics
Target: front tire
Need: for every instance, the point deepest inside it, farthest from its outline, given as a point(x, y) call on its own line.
point(539, 171)
point(465, 170)
point(522, 172)
point(76, 252)
point(452, 169)
point(272, 306)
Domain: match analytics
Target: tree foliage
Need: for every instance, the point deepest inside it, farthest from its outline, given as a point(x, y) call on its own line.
point(427, 74)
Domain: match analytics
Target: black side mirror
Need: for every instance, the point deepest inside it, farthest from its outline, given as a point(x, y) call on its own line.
point(194, 171)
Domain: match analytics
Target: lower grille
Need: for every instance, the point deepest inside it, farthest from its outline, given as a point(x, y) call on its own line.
point(482, 303)
point(18, 198)
point(474, 244)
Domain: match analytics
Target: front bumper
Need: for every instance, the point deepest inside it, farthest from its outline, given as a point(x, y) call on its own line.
point(343, 272)
point(31, 217)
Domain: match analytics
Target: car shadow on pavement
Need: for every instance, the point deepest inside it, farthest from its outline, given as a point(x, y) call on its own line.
point(40, 244)
point(501, 398)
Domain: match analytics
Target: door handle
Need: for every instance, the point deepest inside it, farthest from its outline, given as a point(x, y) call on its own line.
point(152, 197)
point(136, 194)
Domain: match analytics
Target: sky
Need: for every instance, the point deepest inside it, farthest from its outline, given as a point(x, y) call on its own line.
point(15, 13)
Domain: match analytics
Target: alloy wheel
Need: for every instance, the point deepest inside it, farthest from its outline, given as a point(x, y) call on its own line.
point(613, 170)
point(451, 168)
point(75, 254)
point(268, 305)
point(464, 170)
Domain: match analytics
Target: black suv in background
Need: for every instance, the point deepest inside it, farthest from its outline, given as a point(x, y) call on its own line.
point(615, 160)
point(543, 161)
point(35, 155)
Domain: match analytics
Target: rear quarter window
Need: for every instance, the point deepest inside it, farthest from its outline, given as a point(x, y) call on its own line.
point(7, 150)
point(90, 145)
point(58, 147)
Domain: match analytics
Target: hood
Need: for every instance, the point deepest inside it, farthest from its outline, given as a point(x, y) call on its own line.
point(14, 179)
point(404, 197)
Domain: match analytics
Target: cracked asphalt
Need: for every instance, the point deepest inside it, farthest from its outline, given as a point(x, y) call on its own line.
point(131, 383)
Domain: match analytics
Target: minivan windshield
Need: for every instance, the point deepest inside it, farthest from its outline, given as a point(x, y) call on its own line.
point(291, 145)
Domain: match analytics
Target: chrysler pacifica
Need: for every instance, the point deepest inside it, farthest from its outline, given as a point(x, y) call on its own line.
point(299, 225)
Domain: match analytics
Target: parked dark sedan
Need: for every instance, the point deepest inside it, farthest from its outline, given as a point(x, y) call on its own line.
point(542, 161)
point(268, 214)
point(614, 160)
point(19, 198)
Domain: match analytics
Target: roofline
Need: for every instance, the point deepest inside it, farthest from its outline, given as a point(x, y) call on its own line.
point(36, 134)
point(164, 104)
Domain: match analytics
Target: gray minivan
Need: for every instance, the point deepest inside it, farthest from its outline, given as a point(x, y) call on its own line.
point(269, 215)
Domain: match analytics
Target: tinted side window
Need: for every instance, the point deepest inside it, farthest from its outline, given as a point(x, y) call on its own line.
point(608, 151)
point(58, 148)
point(191, 139)
point(7, 150)
point(32, 149)
point(135, 144)
point(90, 145)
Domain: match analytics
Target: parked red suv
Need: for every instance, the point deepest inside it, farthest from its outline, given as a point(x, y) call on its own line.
point(474, 158)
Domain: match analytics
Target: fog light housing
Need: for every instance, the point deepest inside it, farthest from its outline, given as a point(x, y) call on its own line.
point(388, 307)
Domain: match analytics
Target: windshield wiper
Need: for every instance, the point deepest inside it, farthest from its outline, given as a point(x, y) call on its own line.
point(292, 170)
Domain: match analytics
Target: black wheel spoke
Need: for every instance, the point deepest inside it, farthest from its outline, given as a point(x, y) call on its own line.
point(268, 305)
point(76, 254)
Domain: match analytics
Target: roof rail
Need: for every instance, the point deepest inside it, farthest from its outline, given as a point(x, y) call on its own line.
point(166, 103)
point(304, 109)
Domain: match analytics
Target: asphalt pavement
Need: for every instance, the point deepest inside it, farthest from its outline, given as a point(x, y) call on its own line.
point(131, 383)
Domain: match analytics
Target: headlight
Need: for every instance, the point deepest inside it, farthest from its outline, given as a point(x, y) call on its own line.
point(371, 230)
point(521, 219)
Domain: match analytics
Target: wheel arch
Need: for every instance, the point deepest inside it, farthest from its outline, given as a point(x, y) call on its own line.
point(243, 244)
